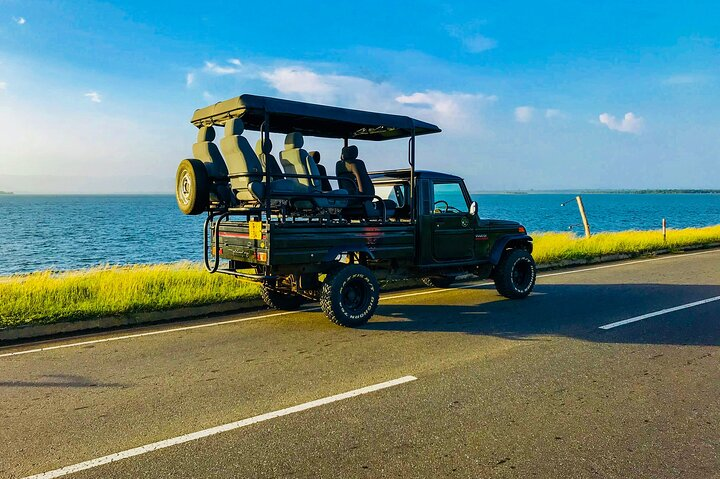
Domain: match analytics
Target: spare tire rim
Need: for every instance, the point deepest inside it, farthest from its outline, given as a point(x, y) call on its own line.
point(185, 188)
point(522, 274)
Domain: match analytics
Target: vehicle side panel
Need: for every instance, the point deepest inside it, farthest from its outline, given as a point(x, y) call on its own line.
point(303, 244)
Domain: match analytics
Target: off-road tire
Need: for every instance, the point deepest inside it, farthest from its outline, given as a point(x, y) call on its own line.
point(350, 295)
point(515, 274)
point(275, 299)
point(438, 281)
point(192, 187)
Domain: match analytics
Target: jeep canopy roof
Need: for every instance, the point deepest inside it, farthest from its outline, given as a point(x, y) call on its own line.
point(310, 119)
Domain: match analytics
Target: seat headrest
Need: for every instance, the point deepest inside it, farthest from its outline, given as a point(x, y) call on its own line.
point(315, 155)
point(259, 146)
point(206, 133)
point(294, 140)
point(234, 127)
point(349, 153)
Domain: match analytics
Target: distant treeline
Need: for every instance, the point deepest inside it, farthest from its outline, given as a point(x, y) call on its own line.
point(654, 192)
point(6, 193)
point(605, 192)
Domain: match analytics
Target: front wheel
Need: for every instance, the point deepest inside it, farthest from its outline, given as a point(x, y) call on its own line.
point(350, 295)
point(515, 274)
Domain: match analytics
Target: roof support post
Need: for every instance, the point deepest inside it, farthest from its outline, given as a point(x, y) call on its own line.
point(411, 160)
point(265, 137)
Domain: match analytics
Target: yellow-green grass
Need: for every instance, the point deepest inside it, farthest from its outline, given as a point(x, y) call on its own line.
point(556, 247)
point(47, 297)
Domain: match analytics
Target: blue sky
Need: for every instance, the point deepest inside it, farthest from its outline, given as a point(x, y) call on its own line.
point(97, 96)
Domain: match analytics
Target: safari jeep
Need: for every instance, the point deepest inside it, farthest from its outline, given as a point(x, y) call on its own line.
point(275, 215)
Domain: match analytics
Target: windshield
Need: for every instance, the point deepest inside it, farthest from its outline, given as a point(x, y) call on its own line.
point(394, 192)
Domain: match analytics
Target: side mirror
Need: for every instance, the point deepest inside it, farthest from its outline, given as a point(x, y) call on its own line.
point(473, 208)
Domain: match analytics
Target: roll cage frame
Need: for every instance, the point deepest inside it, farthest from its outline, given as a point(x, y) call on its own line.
point(273, 115)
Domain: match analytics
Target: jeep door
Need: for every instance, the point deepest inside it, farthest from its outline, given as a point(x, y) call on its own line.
point(453, 228)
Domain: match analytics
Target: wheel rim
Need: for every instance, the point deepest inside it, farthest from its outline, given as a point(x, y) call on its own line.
point(522, 274)
point(355, 296)
point(185, 188)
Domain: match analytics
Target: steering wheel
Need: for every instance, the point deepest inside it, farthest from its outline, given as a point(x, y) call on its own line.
point(448, 208)
point(438, 210)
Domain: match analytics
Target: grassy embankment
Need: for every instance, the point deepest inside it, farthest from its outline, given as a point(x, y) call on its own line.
point(46, 297)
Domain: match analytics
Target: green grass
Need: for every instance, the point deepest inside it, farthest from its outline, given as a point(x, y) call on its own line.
point(554, 247)
point(47, 297)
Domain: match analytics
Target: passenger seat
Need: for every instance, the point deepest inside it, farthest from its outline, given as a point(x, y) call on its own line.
point(296, 161)
point(355, 178)
point(324, 182)
point(242, 160)
point(267, 160)
point(207, 152)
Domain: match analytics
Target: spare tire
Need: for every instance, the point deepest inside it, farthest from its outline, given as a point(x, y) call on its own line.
point(192, 187)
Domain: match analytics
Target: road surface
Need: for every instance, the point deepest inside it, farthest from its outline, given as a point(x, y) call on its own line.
point(605, 371)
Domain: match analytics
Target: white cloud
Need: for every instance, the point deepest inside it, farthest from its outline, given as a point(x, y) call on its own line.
point(208, 96)
point(479, 43)
point(524, 114)
point(450, 108)
point(94, 96)
point(629, 124)
point(551, 113)
point(3, 86)
point(189, 79)
point(216, 69)
point(302, 81)
point(453, 111)
point(20, 20)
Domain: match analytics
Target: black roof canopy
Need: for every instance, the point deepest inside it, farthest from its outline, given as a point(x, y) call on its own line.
point(311, 119)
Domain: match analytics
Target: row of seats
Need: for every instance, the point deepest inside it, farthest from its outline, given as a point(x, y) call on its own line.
point(301, 171)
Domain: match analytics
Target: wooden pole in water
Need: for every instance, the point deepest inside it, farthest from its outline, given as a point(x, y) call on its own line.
point(664, 230)
point(584, 216)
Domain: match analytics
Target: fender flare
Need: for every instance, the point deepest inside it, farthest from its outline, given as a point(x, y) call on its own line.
point(338, 250)
point(501, 243)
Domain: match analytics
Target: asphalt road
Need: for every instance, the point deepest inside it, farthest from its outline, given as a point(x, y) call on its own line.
point(486, 387)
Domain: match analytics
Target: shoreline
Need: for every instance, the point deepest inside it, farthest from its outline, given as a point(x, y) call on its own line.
point(117, 292)
point(32, 332)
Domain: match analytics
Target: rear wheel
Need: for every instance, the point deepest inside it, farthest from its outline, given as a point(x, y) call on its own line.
point(349, 296)
point(192, 187)
point(275, 299)
point(438, 281)
point(515, 274)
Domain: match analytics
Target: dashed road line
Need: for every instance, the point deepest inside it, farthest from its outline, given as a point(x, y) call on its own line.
point(137, 451)
point(659, 313)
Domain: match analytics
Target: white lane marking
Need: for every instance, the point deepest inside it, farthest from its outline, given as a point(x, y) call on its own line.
point(397, 296)
point(627, 263)
point(150, 333)
point(659, 313)
point(217, 429)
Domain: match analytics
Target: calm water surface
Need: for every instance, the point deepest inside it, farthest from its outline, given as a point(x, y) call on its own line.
point(70, 232)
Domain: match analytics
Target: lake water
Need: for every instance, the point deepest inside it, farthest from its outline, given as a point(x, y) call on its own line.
point(70, 232)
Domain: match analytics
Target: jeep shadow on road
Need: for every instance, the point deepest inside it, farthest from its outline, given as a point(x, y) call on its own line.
point(570, 310)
